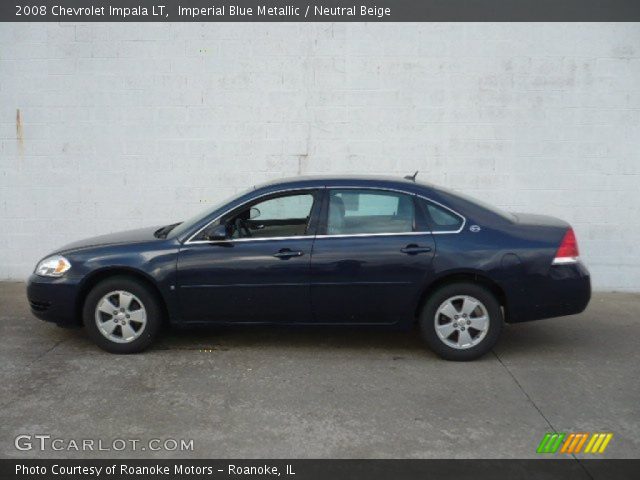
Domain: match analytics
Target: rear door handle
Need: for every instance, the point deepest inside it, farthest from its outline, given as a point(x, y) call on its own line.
point(414, 249)
point(286, 253)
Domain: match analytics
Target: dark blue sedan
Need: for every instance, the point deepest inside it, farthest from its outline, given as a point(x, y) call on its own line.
point(322, 251)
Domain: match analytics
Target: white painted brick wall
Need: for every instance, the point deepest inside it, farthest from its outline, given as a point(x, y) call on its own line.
point(128, 125)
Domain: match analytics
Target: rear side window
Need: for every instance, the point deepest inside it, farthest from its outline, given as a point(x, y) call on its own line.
point(441, 219)
point(369, 211)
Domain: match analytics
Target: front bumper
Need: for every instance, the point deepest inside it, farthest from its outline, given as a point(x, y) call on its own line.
point(564, 290)
point(54, 299)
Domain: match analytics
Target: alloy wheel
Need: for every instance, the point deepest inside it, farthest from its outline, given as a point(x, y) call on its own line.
point(120, 316)
point(461, 322)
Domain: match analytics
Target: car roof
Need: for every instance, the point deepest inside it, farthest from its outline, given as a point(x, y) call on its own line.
point(341, 180)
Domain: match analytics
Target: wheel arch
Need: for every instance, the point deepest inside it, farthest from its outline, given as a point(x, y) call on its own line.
point(99, 275)
point(458, 277)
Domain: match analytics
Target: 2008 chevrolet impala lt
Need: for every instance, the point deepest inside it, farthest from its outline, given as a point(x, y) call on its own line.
point(322, 251)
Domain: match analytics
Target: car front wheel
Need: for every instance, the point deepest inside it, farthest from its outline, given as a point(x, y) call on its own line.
point(122, 315)
point(461, 321)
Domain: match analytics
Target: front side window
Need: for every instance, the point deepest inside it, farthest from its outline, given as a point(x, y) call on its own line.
point(369, 211)
point(285, 216)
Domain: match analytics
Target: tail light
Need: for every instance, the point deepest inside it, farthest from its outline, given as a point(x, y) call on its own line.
point(568, 250)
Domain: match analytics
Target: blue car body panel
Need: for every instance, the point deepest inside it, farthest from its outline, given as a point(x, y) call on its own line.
point(351, 280)
point(368, 280)
point(224, 280)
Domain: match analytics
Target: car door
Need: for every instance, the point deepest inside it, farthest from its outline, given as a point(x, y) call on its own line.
point(371, 257)
point(260, 273)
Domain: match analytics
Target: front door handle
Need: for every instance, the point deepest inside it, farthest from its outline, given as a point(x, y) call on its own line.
point(286, 253)
point(413, 249)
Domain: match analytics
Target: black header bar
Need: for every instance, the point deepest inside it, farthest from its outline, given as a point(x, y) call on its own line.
point(565, 469)
point(320, 11)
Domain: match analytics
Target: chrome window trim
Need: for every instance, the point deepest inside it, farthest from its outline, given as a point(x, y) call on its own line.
point(190, 241)
point(386, 234)
point(310, 237)
point(249, 239)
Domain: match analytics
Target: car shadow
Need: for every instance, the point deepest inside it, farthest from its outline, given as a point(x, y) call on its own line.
point(521, 340)
point(518, 340)
point(298, 337)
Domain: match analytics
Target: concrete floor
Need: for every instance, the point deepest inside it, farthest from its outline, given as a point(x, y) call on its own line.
point(268, 392)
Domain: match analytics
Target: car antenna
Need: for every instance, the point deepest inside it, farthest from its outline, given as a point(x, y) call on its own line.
point(411, 177)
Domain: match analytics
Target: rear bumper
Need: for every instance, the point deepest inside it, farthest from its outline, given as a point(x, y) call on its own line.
point(564, 290)
point(54, 299)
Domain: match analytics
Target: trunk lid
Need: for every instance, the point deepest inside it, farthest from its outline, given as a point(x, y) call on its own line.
point(534, 220)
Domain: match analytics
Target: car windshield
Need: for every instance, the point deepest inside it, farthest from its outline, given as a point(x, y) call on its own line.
point(190, 223)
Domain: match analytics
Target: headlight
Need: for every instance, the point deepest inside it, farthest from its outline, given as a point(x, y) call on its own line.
point(54, 266)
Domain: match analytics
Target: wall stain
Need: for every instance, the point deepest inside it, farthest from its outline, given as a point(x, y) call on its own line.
point(19, 133)
point(302, 163)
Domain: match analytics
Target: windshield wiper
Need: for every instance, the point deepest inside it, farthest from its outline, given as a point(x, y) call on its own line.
point(164, 231)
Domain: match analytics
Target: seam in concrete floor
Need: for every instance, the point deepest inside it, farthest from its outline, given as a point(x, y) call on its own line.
point(513, 377)
point(523, 390)
point(47, 351)
point(38, 358)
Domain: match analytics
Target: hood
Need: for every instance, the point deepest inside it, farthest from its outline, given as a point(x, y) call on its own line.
point(118, 238)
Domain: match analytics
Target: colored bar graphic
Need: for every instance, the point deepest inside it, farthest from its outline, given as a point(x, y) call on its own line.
point(605, 443)
point(591, 442)
point(543, 443)
point(550, 443)
point(568, 444)
point(580, 443)
point(573, 443)
point(596, 446)
point(598, 443)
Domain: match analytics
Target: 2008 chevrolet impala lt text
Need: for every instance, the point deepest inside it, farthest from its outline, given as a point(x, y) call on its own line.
point(322, 251)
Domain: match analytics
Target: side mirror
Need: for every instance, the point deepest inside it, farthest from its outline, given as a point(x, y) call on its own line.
point(254, 212)
point(216, 232)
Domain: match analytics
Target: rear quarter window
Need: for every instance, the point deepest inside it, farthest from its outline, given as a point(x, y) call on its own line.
point(439, 218)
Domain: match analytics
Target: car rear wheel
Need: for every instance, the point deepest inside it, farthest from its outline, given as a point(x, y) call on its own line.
point(461, 321)
point(122, 315)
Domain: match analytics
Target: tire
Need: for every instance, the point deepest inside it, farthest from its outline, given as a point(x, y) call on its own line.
point(445, 334)
point(134, 328)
